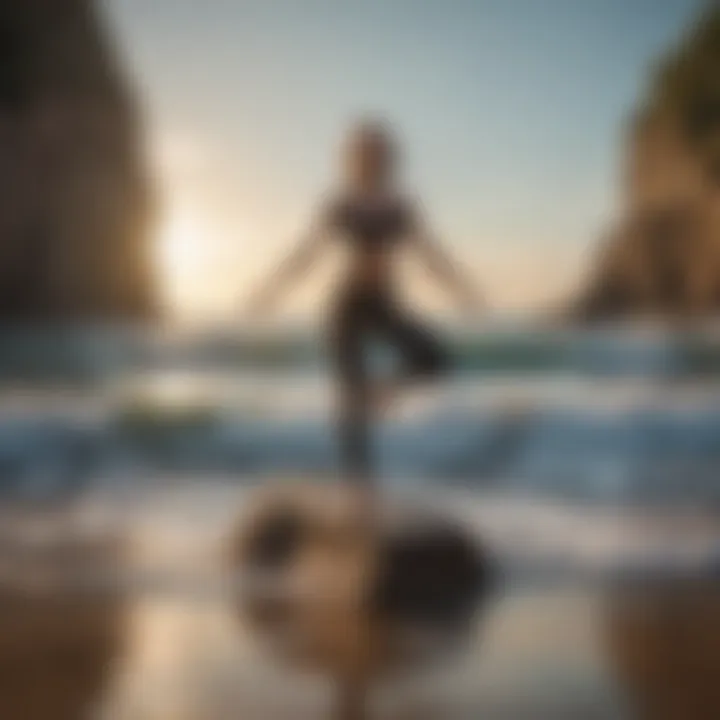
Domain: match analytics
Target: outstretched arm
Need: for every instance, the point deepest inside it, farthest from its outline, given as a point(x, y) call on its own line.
point(296, 263)
point(442, 267)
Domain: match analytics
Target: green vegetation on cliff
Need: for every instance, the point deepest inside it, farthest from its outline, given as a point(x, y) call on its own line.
point(686, 88)
point(662, 258)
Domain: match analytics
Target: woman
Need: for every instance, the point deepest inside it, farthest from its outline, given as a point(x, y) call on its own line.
point(373, 217)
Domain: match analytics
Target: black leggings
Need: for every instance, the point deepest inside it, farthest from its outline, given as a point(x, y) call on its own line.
point(360, 316)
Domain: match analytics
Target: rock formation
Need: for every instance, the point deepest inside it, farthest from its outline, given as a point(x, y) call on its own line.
point(663, 256)
point(74, 210)
point(336, 582)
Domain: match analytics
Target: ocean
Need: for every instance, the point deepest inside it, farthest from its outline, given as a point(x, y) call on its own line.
point(603, 416)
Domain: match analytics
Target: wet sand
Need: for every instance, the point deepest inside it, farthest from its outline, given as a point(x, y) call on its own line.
point(59, 645)
point(536, 659)
point(558, 651)
point(535, 654)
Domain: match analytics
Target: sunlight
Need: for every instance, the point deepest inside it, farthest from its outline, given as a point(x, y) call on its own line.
point(181, 250)
point(203, 251)
point(180, 246)
point(201, 261)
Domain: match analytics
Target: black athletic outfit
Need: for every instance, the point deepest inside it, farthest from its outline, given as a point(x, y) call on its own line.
point(363, 312)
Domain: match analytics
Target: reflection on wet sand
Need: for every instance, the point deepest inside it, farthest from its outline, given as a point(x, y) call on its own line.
point(533, 654)
point(550, 652)
point(58, 645)
point(357, 589)
point(536, 658)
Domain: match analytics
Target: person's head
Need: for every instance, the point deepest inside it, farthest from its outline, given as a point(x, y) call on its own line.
point(371, 156)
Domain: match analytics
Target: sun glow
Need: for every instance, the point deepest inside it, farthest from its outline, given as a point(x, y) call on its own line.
point(180, 252)
point(180, 245)
point(210, 244)
point(202, 263)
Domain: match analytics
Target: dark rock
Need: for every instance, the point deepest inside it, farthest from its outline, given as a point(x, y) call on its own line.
point(431, 573)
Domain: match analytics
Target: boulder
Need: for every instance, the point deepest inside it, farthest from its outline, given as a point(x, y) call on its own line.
point(355, 586)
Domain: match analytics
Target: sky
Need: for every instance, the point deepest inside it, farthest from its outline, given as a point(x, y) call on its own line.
point(510, 112)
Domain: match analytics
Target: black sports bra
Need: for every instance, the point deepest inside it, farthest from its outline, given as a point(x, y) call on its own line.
point(370, 227)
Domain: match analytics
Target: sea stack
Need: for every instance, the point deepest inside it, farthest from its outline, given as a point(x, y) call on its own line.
point(662, 258)
point(74, 198)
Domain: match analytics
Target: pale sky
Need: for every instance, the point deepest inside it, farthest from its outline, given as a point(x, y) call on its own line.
point(511, 112)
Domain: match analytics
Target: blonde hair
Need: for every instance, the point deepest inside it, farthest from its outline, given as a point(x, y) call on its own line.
point(370, 155)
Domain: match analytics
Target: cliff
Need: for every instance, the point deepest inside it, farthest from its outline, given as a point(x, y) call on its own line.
point(74, 202)
point(663, 255)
